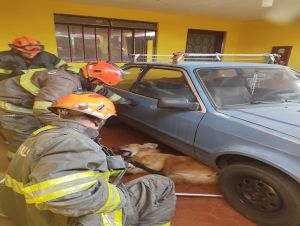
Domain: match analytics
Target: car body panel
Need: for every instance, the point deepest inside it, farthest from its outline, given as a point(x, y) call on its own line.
point(284, 118)
point(265, 133)
point(219, 135)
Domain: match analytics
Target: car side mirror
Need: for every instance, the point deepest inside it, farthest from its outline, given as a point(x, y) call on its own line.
point(177, 103)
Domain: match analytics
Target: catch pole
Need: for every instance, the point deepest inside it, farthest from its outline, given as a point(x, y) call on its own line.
point(199, 195)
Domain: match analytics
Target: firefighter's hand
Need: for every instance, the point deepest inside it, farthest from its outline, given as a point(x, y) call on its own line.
point(129, 102)
point(132, 102)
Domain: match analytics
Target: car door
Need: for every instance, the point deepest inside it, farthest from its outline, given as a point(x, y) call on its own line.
point(173, 126)
point(134, 113)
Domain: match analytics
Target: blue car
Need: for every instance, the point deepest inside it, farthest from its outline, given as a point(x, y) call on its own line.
point(241, 118)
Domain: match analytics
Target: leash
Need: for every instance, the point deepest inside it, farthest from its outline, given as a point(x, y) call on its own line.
point(140, 165)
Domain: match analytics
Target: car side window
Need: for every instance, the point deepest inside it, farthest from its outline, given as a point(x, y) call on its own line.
point(226, 86)
point(130, 77)
point(158, 83)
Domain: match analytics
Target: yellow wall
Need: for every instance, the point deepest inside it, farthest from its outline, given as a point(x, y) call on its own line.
point(32, 18)
point(17, 19)
point(260, 36)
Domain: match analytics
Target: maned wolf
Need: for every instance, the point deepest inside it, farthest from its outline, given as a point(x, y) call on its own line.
point(181, 169)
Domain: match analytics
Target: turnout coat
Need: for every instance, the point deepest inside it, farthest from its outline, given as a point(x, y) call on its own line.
point(61, 177)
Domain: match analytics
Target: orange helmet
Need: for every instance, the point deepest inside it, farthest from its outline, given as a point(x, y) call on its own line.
point(27, 45)
point(108, 73)
point(87, 103)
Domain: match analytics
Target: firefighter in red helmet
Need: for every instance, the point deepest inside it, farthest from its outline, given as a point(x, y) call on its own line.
point(24, 99)
point(110, 76)
point(26, 56)
point(27, 47)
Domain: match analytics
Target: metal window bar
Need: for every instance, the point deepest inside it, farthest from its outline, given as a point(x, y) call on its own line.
point(154, 57)
point(177, 57)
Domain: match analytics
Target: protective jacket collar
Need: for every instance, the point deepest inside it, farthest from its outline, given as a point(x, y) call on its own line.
point(71, 124)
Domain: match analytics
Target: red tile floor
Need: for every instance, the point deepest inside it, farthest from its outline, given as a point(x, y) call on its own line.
point(190, 211)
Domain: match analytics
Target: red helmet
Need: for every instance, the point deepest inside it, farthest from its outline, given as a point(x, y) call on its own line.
point(108, 73)
point(27, 45)
point(85, 103)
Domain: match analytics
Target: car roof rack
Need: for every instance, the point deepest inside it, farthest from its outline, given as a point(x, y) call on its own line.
point(181, 56)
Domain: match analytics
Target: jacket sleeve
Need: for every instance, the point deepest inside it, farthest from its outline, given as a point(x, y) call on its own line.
point(115, 98)
point(75, 185)
point(53, 61)
point(4, 73)
point(54, 87)
point(8, 68)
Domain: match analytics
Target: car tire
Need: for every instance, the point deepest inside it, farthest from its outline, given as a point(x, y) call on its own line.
point(261, 193)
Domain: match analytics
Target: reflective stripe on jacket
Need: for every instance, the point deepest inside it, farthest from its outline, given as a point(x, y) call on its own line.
point(13, 108)
point(61, 169)
point(5, 71)
point(26, 83)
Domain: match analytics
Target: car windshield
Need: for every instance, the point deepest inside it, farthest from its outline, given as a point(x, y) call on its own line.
point(245, 86)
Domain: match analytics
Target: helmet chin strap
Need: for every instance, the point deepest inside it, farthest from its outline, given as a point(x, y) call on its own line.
point(99, 123)
point(89, 77)
point(88, 72)
point(89, 83)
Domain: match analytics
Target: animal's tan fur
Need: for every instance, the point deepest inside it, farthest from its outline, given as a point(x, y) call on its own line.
point(181, 169)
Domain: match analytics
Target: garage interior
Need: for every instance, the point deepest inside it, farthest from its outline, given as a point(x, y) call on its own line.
point(195, 26)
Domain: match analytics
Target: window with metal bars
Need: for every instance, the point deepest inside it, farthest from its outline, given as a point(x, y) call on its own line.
point(85, 39)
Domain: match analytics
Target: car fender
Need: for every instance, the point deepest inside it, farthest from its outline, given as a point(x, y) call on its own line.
point(220, 135)
point(285, 163)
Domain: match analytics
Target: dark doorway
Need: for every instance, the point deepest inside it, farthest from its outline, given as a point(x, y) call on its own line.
point(203, 41)
point(284, 52)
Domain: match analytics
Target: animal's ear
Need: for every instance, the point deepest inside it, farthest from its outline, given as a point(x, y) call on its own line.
point(150, 145)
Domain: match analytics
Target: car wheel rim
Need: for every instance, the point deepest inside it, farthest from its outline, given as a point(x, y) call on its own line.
point(258, 194)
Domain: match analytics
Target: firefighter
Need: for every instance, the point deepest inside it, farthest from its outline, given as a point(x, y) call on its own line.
point(24, 99)
point(60, 176)
point(26, 56)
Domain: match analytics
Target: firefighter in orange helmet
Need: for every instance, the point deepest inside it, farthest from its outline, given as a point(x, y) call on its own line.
point(26, 56)
point(24, 99)
point(60, 176)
